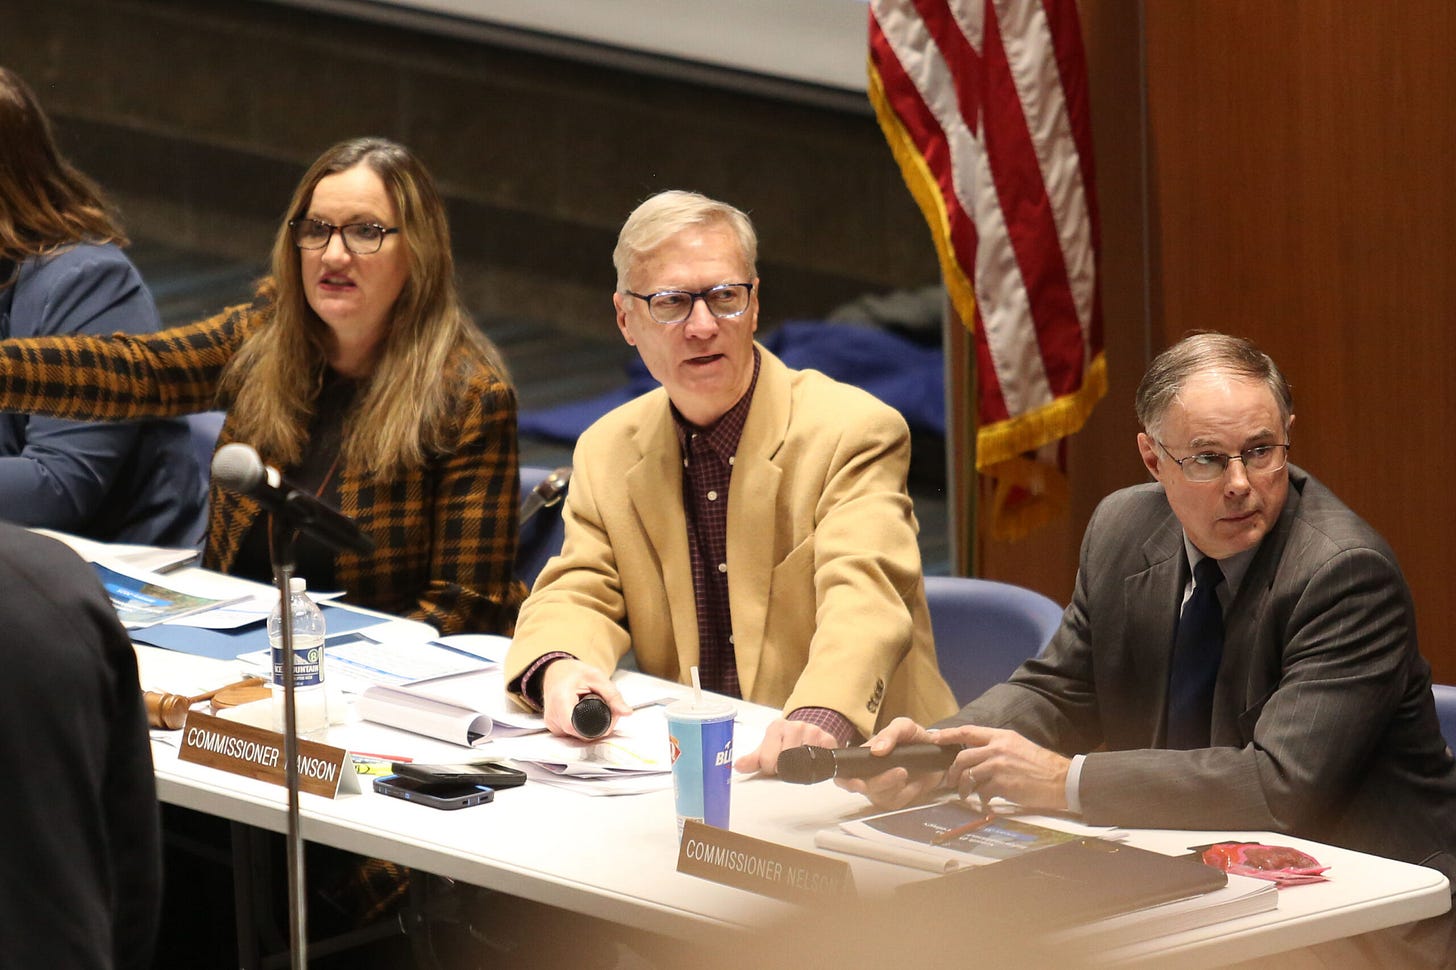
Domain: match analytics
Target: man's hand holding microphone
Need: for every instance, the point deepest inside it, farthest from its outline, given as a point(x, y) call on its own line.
point(906, 763)
point(579, 700)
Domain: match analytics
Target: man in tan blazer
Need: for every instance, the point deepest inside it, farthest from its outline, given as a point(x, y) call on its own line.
point(800, 585)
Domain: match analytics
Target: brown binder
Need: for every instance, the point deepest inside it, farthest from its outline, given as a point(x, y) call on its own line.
point(1075, 882)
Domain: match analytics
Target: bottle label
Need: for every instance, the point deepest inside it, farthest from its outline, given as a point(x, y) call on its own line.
point(307, 665)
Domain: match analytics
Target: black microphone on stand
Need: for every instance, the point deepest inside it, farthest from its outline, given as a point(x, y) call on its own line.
point(295, 510)
point(237, 466)
point(807, 764)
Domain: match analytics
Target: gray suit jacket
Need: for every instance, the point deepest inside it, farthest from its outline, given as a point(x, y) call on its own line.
point(1323, 721)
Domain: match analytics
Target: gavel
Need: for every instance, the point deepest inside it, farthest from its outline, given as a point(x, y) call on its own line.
point(170, 710)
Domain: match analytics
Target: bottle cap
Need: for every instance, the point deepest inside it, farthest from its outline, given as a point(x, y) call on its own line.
point(297, 584)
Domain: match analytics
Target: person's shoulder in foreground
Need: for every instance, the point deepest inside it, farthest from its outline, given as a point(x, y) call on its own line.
point(80, 872)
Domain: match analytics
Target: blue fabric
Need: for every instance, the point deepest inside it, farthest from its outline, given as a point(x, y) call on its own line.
point(1445, 696)
point(908, 377)
point(984, 630)
point(134, 482)
point(542, 533)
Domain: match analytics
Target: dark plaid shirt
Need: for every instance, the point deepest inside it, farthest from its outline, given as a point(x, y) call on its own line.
point(707, 457)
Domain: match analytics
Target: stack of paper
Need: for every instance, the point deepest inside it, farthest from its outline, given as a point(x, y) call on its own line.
point(1243, 896)
point(467, 708)
point(156, 559)
point(634, 758)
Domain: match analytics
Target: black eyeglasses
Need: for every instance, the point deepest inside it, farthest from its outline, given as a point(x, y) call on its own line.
point(724, 301)
point(360, 238)
point(1209, 466)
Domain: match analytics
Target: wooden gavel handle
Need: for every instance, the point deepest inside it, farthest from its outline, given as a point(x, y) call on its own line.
point(245, 682)
point(170, 710)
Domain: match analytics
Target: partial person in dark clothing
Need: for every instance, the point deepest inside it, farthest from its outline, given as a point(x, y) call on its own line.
point(80, 857)
point(62, 271)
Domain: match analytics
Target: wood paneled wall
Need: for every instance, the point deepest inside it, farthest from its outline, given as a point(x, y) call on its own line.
point(1286, 173)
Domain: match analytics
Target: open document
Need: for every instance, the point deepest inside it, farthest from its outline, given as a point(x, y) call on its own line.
point(155, 559)
point(144, 599)
point(465, 708)
point(472, 707)
point(634, 758)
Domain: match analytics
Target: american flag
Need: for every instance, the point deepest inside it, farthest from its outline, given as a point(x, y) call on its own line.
point(984, 104)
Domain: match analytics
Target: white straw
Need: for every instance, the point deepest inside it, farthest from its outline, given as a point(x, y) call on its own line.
point(697, 687)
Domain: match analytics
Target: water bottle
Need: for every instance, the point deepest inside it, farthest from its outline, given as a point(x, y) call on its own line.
point(309, 698)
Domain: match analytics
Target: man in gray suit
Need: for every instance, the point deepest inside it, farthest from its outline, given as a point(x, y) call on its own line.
point(1316, 719)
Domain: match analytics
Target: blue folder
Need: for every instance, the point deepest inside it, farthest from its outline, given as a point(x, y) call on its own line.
point(230, 644)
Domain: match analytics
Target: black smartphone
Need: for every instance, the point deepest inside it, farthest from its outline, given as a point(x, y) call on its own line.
point(447, 795)
point(492, 773)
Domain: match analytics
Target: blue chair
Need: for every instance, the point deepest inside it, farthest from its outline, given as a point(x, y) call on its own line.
point(542, 528)
point(1446, 710)
point(985, 629)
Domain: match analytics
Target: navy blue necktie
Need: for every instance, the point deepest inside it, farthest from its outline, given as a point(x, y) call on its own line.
point(1197, 650)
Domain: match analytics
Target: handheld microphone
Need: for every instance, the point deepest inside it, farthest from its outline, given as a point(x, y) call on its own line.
point(591, 717)
point(236, 466)
point(808, 764)
point(546, 493)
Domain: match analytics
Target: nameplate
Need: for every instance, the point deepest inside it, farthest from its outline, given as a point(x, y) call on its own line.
point(254, 752)
point(765, 868)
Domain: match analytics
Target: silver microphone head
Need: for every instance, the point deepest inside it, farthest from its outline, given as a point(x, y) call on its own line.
point(554, 485)
point(236, 466)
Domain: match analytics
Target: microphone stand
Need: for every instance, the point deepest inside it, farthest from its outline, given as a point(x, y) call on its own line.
point(238, 467)
point(281, 549)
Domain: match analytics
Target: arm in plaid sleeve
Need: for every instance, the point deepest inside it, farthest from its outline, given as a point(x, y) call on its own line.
point(472, 585)
point(120, 376)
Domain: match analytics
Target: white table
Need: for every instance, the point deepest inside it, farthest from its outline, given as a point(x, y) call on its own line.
point(615, 857)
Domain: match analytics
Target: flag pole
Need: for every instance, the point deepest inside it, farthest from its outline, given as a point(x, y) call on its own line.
point(961, 480)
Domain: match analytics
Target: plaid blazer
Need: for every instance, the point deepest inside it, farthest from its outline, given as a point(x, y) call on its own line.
point(445, 533)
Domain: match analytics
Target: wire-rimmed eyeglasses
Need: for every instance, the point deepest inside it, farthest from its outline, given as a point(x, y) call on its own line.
point(724, 301)
point(360, 238)
point(1209, 466)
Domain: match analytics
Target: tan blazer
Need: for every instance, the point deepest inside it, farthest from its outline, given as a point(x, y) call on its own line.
point(824, 579)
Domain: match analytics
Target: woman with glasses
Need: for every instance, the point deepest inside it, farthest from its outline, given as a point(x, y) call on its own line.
point(358, 373)
point(62, 271)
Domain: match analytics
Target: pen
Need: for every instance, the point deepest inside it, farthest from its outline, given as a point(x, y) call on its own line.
point(960, 830)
